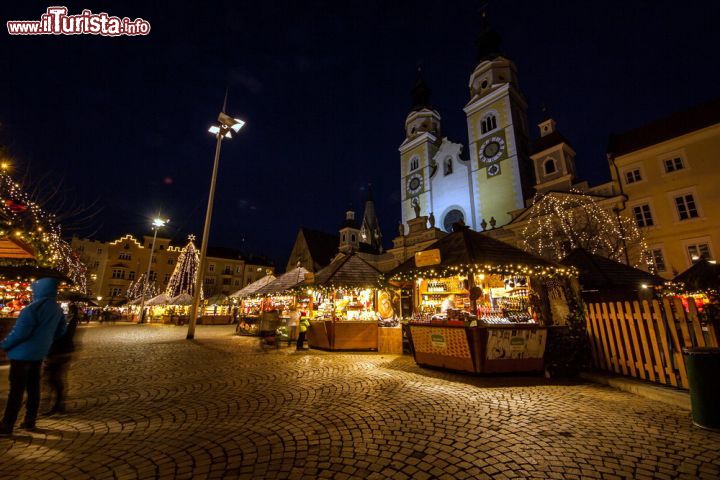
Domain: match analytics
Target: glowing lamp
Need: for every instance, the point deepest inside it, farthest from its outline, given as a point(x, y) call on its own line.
point(214, 129)
point(159, 222)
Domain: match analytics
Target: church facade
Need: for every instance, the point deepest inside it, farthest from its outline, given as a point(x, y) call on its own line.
point(479, 185)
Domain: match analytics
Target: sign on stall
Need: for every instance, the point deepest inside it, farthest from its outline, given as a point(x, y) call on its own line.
point(309, 278)
point(427, 258)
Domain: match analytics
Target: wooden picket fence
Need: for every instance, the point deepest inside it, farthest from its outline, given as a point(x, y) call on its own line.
point(645, 340)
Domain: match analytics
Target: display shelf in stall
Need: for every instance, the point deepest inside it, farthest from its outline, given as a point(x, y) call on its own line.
point(350, 306)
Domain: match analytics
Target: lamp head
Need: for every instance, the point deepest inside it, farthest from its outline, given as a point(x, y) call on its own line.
point(227, 121)
point(159, 222)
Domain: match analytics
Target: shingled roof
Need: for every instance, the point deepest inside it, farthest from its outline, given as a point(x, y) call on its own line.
point(467, 247)
point(672, 126)
point(284, 282)
point(550, 140)
point(348, 271)
point(251, 288)
point(598, 273)
point(703, 275)
point(322, 246)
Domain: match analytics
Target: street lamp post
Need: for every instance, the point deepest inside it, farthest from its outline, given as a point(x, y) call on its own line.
point(223, 129)
point(157, 224)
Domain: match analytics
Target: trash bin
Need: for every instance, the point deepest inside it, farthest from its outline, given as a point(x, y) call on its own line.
point(703, 366)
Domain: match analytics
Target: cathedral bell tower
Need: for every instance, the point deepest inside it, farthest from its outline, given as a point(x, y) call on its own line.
point(497, 133)
point(422, 140)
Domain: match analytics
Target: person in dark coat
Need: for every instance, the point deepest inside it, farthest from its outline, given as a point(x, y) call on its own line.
point(57, 361)
point(38, 325)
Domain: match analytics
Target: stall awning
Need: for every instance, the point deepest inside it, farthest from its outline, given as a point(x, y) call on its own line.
point(348, 271)
point(466, 248)
point(250, 289)
point(600, 273)
point(161, 299)
point(284, 282)
point(182, 299)
point(704, 275)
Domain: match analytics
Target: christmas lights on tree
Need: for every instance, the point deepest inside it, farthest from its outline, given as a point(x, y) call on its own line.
point(25, 223)
point(185, 274)
point(560, 223)
point(135, 289)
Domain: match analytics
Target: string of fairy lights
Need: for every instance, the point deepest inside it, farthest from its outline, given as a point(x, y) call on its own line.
point(135, 289)
point(185, 273)
point(26, 223)
point(539, 271)
point(558, 224)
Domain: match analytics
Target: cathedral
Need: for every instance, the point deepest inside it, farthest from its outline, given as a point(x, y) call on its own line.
point(480, 185)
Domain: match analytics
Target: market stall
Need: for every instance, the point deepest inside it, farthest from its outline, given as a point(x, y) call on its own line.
point(279, 298)
point(249, 306)
point(480, 305)
point(350, 306)
point(217, 310)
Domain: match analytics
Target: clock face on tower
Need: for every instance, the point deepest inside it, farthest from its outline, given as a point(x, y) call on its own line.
point(414, 183)
point(491, 150)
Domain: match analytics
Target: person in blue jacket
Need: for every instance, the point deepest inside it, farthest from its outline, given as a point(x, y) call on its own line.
point(38, 325)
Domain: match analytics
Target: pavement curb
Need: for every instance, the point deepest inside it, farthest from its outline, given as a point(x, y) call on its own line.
point(666, 395)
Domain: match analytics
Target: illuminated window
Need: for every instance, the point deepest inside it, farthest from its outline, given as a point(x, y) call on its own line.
point(658, 259)
point(674, 164)
point(697, 251)
point(686, 207)
point(632, 176)
point(643, 216)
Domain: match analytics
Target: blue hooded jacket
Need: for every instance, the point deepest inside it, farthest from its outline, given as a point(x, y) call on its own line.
point(38, 325)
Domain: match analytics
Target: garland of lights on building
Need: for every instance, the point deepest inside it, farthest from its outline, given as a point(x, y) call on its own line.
point(558, 224)
point(25, 222)
point(185, 274)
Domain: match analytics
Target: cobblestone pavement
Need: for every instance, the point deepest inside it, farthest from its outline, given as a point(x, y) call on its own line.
point(145, 403)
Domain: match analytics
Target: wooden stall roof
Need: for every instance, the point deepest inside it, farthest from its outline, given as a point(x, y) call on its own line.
point(251, 288)
point(597, 272)
point(468, 247)
point(703, 275)
point(348, 271)
point(284, 282)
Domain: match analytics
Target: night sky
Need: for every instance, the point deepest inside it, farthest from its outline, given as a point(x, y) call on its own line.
point(324, 88)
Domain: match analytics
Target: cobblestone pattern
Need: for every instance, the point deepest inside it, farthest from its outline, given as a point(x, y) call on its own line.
point(145, 403)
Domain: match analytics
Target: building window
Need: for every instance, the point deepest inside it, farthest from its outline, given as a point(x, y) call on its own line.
point(414, 163)
point(99, 251)
point(96, 264)
point(352, 238)
point(228, 270)
point(686, 207)
point(154, 259)
point(115, 292)
point(80, 248)
point(643, 217)
point(152, 276)
point(448, 166)
point(452, 217)
point(237, 282)
point(211, 267)
point(697, 251)
point(117, 273)
point(161, 247)
point(125, 256)
point(239, 269)
point(209, 280)
point(658, 259)
point(632, 176)
point(488, 124)
point(131, 275)
point(674, 164)
point(167, 278)
point(549, 166)
point(170, 261)
point(226, 281)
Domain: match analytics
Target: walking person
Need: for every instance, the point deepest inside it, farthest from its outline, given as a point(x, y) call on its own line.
point(57, 362)
point(304, 325)
point(41, 322)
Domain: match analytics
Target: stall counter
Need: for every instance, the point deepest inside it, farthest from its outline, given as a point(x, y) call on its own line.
point(343, 335)
point(481, 349)
point(6, 324)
